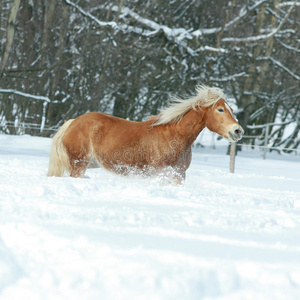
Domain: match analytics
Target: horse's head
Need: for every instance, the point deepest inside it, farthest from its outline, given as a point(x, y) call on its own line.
point(220, 119)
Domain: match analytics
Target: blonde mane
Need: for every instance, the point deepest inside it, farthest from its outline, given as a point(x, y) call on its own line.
point(206, 96)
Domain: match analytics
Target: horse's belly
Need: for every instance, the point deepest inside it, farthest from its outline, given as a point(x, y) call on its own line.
point(146, 162)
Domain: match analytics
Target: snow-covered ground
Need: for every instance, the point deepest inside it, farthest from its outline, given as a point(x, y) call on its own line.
point(219, 236)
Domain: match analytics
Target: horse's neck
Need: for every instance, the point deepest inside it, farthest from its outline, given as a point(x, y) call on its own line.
point(191, 124)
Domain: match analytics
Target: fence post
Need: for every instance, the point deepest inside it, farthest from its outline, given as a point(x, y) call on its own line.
point(266, 141)
point(232, 156)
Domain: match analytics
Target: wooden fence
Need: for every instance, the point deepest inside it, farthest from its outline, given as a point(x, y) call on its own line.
point(20, 128)
point(265, 147)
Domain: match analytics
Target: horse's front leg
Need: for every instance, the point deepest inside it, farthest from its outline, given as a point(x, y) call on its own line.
point(178, 178)
point(172, 176)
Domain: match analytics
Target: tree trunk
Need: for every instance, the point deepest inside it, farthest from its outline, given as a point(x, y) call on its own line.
point(10, 33)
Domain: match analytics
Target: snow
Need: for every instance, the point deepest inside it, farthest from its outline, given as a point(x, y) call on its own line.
point(219, 236)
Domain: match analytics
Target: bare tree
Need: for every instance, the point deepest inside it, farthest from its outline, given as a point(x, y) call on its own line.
point(126, 57)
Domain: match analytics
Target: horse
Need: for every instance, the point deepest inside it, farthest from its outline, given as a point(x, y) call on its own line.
point(160, 145)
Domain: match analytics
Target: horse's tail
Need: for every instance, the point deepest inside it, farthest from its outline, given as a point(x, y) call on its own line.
point(59, 161)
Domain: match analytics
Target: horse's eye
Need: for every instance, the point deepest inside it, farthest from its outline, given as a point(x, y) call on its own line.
point(221, 110)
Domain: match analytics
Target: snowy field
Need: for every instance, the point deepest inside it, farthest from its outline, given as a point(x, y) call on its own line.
point(219, 236)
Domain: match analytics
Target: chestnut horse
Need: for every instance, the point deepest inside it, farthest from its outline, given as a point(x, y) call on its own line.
point(160, 145)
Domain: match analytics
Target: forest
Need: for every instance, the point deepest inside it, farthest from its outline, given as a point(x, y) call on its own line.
point(63, 58)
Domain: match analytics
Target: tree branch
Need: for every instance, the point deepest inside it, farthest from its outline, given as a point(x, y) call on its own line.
point(26, 95)
point(279, 64)
point(176, 34)
point(288, 3)
point(87, 14)
point(262, 36)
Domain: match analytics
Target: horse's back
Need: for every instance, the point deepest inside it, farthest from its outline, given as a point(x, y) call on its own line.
point(88, 123)
point(103, 131)
point(96, 118)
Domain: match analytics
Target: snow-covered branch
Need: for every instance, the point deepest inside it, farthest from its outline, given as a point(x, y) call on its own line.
point(172, 33)
point(289, 47)
point(26, 95)
point(243, 13)
point(229, 78)
point(288, 3)
point(271, 124)
point(178, 34)
point(262, 36)
point(279, 64)
point(87, 14)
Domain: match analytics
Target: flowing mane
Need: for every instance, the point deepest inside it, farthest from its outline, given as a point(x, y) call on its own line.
point(206, 96)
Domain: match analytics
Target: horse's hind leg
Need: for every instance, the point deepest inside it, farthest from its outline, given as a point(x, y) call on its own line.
point(78, 166)
point(79, 159)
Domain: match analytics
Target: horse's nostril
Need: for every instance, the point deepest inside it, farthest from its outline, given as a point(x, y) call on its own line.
point(237, 131)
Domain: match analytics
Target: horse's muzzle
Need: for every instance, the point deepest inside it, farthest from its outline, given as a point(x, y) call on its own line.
point(236, 133)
